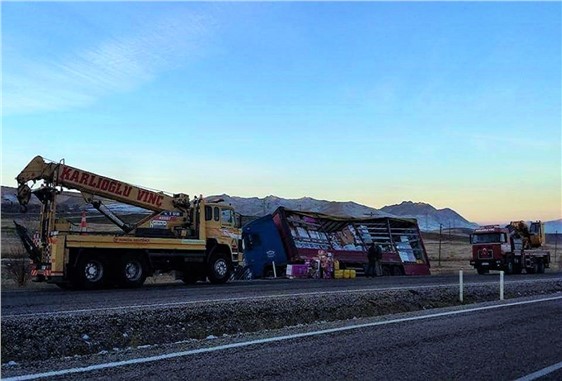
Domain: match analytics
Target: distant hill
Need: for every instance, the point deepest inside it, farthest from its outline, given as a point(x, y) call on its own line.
point(428, 216)
point(553, 226)
point(255, 206)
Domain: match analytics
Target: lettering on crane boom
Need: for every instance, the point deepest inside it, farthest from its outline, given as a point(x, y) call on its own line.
point(77, 177)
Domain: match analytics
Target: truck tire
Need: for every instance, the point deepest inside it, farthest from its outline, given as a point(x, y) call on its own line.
point(386, 271)
point(397, 270)
point(482, 270)
point(132, 272)
point(540, 267)
point(90, 272)
point(532, 269)
point(509, 267)
point(219, 268)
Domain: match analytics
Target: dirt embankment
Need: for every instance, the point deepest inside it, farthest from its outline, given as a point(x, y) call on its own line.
point(67, 335)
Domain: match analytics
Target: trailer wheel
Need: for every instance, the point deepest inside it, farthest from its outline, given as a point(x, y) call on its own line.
point(219, 268)
point(132, 272)
point(90, 272)
point(540, 267)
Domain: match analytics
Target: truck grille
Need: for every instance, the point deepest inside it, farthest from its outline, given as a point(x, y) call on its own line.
point(485, 253)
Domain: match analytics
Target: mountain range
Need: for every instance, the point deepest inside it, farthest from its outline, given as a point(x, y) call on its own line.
point(429, 218)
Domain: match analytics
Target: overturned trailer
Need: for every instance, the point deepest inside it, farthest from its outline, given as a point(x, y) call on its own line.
point(292, 237)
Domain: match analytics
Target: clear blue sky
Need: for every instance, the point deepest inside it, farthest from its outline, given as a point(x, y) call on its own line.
point(454, 104)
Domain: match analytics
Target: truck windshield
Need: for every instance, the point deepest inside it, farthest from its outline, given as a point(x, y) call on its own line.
point(227, 216)
point(487, 238)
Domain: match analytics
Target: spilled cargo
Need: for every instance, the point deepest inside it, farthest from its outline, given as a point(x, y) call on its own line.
point(289, 237)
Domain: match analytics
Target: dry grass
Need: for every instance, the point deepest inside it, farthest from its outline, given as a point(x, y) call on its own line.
point(455, 256)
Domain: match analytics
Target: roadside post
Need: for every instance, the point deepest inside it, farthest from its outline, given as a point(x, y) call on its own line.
point(501, 285)
point(274, 269)
point(440, 232)
point(556, 249)
point(460, 286)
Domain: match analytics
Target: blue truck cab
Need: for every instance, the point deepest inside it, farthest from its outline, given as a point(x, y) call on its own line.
point(263, 247)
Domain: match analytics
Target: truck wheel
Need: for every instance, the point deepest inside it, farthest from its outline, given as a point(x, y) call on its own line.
point(532, 269)
point(386, 271)
point(90, 272)
point(540, 267)
point(219, 268)
point(132, 272)
point(482, 270)
point(397, 270)
point(509, 267)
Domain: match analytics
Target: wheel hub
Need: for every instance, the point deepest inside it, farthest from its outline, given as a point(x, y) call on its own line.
point(221, 268)
point(93, 271)
point(132, 271)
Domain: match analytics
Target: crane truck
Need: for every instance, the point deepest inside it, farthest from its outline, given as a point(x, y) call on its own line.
point(196, 239)
point(512, 248)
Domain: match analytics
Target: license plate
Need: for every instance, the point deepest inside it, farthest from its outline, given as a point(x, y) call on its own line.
point(485, 264)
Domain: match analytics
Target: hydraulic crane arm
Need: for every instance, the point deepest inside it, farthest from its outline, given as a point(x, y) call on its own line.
point(90, 184)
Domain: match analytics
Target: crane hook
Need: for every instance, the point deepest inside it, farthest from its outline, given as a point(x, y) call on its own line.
point(24, 194)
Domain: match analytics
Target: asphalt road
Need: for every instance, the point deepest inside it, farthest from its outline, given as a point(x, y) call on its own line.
point(52, 300)
point(491, 341)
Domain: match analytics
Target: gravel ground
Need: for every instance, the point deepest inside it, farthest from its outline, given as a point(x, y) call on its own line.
point(59, 336)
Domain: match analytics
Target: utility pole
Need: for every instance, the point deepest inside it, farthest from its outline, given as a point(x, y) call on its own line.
point(440, 231)
point(555, 246)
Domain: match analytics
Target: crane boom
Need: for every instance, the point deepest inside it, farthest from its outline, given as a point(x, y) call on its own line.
point(90, 184)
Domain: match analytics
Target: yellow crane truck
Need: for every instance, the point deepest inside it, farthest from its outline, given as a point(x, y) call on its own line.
point(198, 240)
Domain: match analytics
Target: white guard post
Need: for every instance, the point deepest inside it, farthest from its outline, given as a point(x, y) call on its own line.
point(460, 286)
point(501, 285)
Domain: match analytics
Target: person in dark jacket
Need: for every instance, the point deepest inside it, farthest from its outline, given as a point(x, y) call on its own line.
point(372, 257)
point(378, 260)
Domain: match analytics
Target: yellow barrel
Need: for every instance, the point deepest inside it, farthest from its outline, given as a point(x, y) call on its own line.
point(346, 274)
point(338, 274)
point(352, 273)
point(336, 265)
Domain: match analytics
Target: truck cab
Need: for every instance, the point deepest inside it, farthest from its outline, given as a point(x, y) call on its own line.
point(491, 245)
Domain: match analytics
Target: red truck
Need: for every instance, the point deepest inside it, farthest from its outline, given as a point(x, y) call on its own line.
point(512, 248)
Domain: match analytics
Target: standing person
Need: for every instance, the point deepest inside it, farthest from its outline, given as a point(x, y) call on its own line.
point(372, 257)
point(378, 260)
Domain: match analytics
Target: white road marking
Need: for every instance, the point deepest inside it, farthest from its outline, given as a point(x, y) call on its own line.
point(540, 373)
point(143, 360)
point(240, 299)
